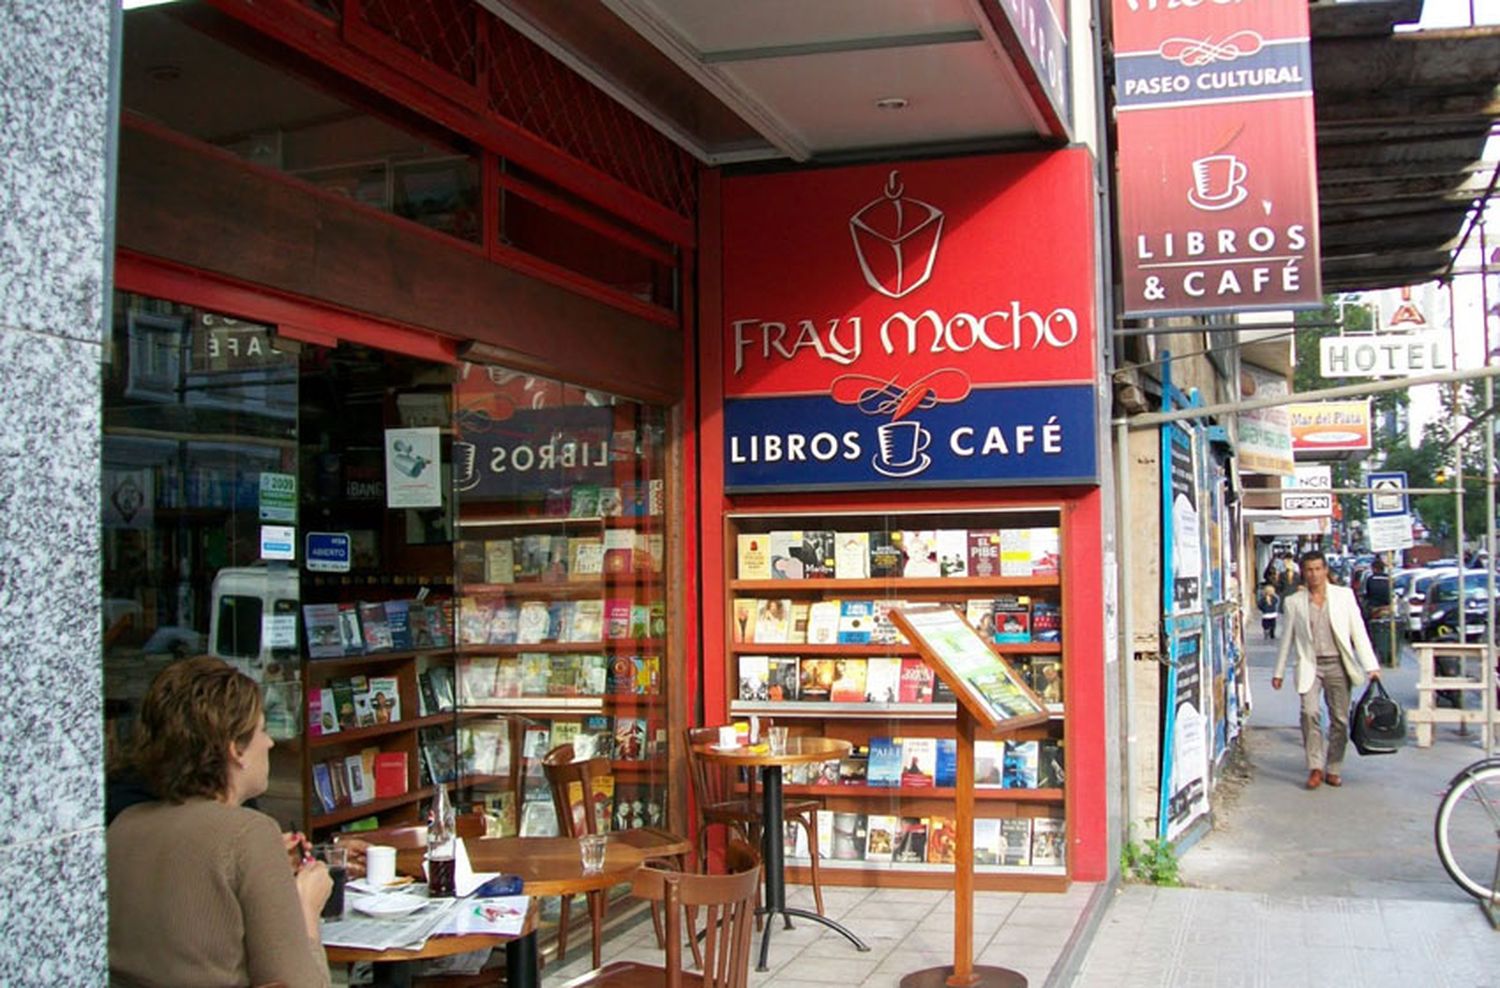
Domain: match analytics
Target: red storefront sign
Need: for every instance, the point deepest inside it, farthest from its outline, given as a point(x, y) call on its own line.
point(894, 272)
point(1217, 178)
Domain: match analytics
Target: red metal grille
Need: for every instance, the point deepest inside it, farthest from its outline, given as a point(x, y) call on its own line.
point(444, 33)
point(529, 87)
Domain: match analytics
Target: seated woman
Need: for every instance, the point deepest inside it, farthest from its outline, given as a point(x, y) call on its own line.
point(199, 888)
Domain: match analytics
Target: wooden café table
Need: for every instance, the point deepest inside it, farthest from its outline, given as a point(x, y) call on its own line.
point(547, 866)
point(799, 750)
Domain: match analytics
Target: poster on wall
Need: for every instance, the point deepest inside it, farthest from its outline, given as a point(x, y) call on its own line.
point(900, 330)
point(1184, 789)
point(1183, 521)
point(413, 472)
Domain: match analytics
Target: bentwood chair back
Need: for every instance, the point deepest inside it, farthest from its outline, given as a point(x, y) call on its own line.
point(727, 902)
point(407, 836)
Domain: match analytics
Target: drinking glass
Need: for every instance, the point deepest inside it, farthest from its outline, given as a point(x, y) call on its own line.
point(591, 852)
point(337, 860)
point(777, 737)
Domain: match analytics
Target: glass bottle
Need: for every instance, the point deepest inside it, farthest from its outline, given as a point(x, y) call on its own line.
point(441, 845)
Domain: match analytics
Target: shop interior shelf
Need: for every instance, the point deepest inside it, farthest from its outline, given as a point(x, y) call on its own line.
point(346, 813)
point(894, 586)
point(379, 730)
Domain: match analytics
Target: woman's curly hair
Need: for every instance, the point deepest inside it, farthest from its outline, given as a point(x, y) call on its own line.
point(192, 712)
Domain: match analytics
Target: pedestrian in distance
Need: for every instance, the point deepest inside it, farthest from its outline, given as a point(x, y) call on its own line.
point(1326, 631)
point(1377, 591)
point(1270, 605)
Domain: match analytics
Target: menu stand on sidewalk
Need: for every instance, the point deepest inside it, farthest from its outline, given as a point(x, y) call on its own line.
point(989, 693)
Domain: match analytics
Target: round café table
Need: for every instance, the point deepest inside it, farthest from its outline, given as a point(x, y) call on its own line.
point(799, 751)
point(547, 866)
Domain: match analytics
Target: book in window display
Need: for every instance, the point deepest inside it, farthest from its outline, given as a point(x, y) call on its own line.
point(849, 836)
point(442, 687)
point(918, 762)
point(1015, 842)
point(499, 561)
point(1046, 680)
point(887, 560)
point(848, 686)
point(783, 678)
point(323, 787)
point(617, 613)
point(1048, 836)
point(817, 679)
point(321, 626)
point(942, 840)
point(630, 739)
point(538, 818)
point(823, 622)
point(351, 636)
point(398, 621)
point(884, 771)
point(773, 620)
point(533, 622)
point(440, 754)
point(980, 613)
point(586, 558)
point(753, 557)
point(953, 552)
point(340, 782)
point(322, 712)
point(989, 763)
point(619, 551)
point(596, 737)
point(364, 709)
point(377, 631)
point(505, 625)
point(819, 555)
point(916, 681)
point(986, 842)
point(754, 677)
point(385, 697)
point(851, 556)
point(1050, 773)
point(856, 622)
point(441, 623)
point(1012, 619)
point(920, 547)
point(471, 562)
point(881, 834)
point(946, 771)
point(584, 501)
point(801, 611)
point(984, 552)
point(883, 680)
point(786, 555)
point(1046, 621)
point(854, 768)
point(883, 631)
point(1020, 765)
point(473, 621)
point(476, 678)
point(611, 502)
point(911, 844)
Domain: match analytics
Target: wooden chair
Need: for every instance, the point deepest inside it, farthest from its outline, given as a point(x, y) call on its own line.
point(729, 904)
point(406, 836)
point(719, 803)
point(567, 773)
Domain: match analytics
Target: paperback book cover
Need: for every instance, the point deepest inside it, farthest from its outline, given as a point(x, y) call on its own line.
point(1046, 679)
point(630, 739)
point(885, 631)
point(849, 677)
point(619, 551)
point(783, 679)
point(647, 670)
point(321, 624)
point(419, 619)
point(585, 559)
point(593, 675)
point(536, 673)
point(471, 561)
point(390, 774)
point(617, 618)
point(1019, 771)
point(339, 780)
point(849, 836)
point(1046, 621)
point(742, 624)
point(398, 620)
point(754, 677)
point(911, 844)
point(918, 762)
point(351, 636)
point(883, 680)
point(562, 676)
point(946, 773)
point(786, 555)
point(1015, 842)
point(942, 840)
point(1012, 619)
point(323, 786)
point(817, 679)
point(327, 710)
point(621, 675)
point(508, 678)
point(1045, 551)
point(754, 557)
point(1048, 836)
point(440, 621)
point(377, 633)
point(819, 557)
point(921, 548)
point(989, 760)
point(881, 832)
point(533, 554)
point(499, 561)
point(916, 681)
point(385, 697)
point(343, 703)
point(364, 710)
point(801, 610)
point(1015, 552)
point(884, 771)
point(505, 624)
point(533, 623)
point(886, 558)
point(611, 502)
point(856, 622)
point(773, 620)
point(583, 501)
point(823, 622)
point(1050, 771)
point(851, 555)
point(361, 786)
point(442, 686)
point(596, 739)
point(953, 552)
point(588, 621)
point(640, 621)
point(560, 620)
point(473, 620)
point(476, 678)
point(986, 841)
point(984, 552)
point(854, 768)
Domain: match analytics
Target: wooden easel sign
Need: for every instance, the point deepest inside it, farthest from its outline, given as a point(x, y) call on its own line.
point(990, 693)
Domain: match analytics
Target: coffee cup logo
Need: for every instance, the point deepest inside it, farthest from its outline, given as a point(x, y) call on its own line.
point(902, 442)
point(1218, 182)
point(901, 446)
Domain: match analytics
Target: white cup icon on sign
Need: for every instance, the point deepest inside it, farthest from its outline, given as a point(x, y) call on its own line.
point(901, 448)
point(1218, 182)
point(465, 466)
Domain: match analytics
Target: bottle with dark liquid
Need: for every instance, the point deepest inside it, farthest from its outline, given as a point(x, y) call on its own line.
point(441, 845)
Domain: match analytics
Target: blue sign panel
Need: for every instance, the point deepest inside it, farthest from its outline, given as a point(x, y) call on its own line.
point(327, 552)
point(994, 436)
point(1388, 494)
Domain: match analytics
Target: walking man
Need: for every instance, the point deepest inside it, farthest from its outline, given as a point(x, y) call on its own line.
point(1325, 628)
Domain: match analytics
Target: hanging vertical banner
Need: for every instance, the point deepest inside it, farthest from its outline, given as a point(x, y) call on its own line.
point(1182, 522)
point(1218, 204)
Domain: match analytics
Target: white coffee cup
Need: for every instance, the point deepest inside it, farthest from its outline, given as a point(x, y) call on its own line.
point(728, 738)
point(380, 865)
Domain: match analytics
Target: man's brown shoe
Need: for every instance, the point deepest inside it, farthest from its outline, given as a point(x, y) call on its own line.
point(1314, 778)
point(1333, 779)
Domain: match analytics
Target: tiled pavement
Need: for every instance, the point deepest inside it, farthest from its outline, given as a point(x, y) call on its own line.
point(1213, 938)
point(907, 930)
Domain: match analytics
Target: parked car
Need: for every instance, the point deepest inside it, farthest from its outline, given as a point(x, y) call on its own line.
point(1440, 619)
point(1410, 606)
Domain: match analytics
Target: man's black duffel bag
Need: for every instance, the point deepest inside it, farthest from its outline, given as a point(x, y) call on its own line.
point(1377, 726)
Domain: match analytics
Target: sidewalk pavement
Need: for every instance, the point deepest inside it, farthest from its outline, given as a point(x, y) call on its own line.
point(1329, 887)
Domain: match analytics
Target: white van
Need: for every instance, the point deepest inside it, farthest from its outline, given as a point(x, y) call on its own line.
point(253, 627)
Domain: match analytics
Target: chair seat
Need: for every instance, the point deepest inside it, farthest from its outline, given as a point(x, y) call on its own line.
point(629, 974)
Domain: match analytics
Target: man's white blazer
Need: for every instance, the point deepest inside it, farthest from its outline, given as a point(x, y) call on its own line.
point(1348, 632)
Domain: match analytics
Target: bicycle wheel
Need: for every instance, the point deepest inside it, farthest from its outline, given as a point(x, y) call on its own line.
point(1467, 829)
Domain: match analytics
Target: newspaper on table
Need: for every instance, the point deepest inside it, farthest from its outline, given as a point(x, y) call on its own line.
point(408, 932)
point(498, 916)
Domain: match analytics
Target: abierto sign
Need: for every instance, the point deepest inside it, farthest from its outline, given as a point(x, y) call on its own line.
point(1384, 355)
point(1218, 205)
